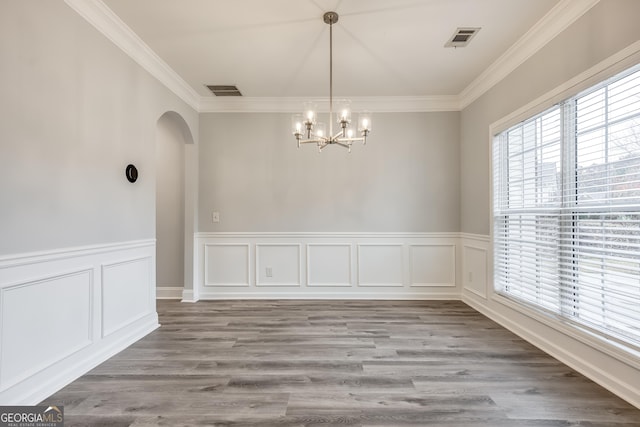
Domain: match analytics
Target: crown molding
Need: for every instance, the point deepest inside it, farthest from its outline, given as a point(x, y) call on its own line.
point(112, 27)
point(553, 23)
point(376, 104)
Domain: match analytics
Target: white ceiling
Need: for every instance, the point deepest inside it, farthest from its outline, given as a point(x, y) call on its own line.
point(280, 48)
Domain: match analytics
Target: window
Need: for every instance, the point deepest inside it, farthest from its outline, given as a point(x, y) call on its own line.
point(566, 209)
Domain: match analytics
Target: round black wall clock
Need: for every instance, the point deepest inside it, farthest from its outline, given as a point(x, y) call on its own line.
point(132, 173)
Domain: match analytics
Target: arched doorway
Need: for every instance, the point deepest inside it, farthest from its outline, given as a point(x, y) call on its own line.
point(175, 208)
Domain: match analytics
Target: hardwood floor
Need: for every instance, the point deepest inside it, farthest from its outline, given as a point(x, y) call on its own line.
point(346, 363)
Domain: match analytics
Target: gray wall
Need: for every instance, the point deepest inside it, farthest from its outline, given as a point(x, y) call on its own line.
point(74, 111)
point(170, 197)
point(607, 28)
point(406, 179)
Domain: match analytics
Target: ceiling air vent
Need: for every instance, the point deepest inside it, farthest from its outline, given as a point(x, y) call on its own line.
point(224, 90)
point(462, 37)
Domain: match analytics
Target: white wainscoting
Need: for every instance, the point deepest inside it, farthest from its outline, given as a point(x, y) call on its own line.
point(54, 312)
point(327, 265)
point(283, 258)
point(381, 264)
point(63, 312)
point(124, 300)
point(227, 264)
point(475, 264)
point(433, 265)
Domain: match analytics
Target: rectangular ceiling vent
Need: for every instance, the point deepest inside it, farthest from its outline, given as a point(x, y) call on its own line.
point(224, 90)
point(462, 36)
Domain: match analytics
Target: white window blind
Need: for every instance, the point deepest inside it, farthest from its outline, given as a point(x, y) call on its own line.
point(566, 209)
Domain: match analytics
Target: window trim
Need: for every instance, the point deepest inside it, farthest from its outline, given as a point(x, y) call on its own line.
point(604, 70)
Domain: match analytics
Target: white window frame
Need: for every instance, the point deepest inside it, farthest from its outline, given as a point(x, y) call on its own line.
point(617, 63)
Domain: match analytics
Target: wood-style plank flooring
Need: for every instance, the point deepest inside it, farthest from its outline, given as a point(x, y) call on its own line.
point(346, 363)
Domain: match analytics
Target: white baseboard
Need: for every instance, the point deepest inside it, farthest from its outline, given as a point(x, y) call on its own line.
point(189, 296)
point(169, 292)
point(328, 295)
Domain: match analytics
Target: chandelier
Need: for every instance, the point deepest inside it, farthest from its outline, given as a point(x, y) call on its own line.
point(308, 130)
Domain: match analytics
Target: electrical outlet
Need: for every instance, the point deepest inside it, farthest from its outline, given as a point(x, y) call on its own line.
point(215, 217)
point(269, 272)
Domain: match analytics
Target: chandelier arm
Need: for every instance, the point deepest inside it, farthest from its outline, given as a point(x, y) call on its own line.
point(351, 140)
point(341, 144)
point(310, 141)
point(339, 136)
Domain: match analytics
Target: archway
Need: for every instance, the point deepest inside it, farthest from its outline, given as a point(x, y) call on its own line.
point(175, 207)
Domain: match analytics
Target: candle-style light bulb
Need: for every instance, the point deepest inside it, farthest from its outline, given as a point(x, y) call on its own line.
point(297, 125)
point(344, 115)
point(364, 122)
point(309, 115)
point(309, 112)
point(364, 125)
